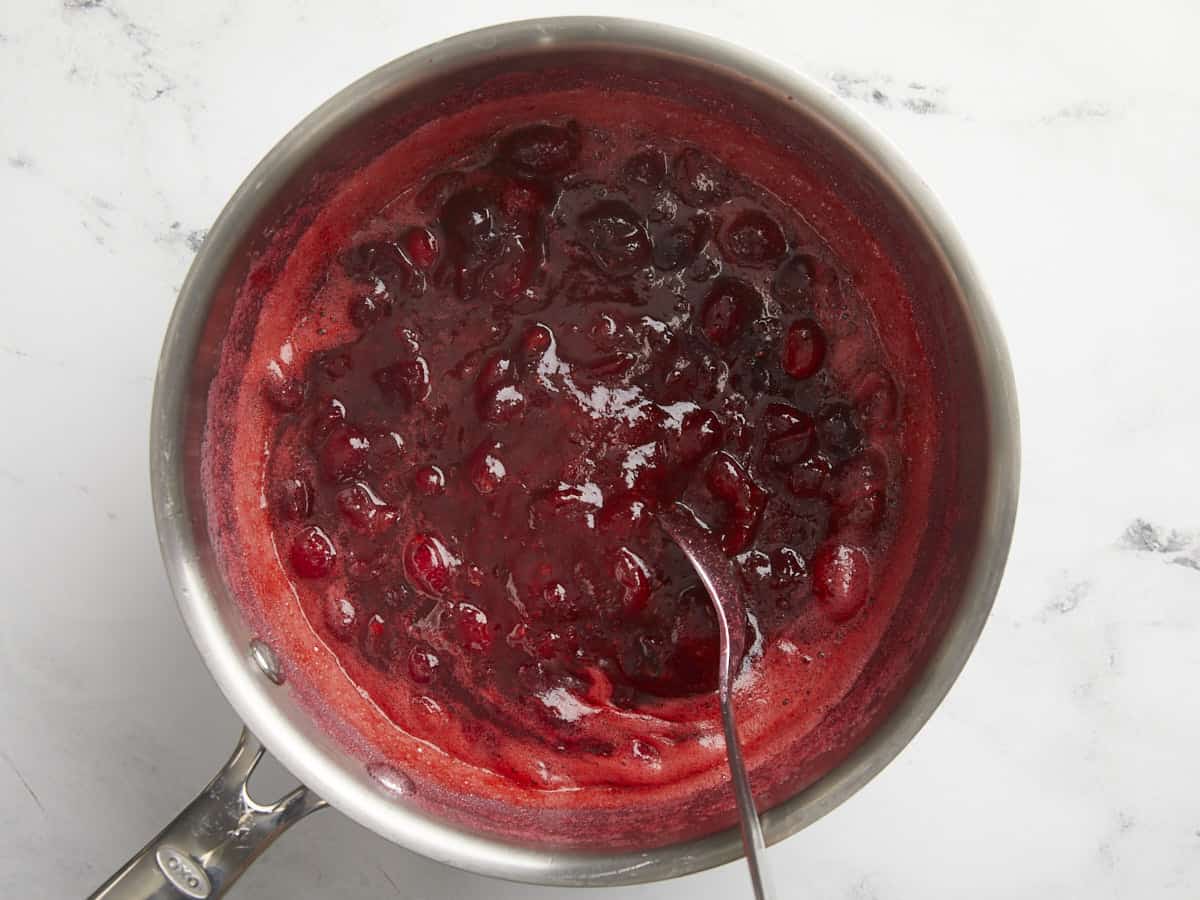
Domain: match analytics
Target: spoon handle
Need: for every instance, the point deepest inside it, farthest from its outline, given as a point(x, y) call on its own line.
point(752, 836)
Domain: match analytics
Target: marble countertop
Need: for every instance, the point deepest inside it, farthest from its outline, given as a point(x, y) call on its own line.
point(1063, 138)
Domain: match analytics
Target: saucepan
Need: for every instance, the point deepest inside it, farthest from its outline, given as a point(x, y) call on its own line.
point(206, 848)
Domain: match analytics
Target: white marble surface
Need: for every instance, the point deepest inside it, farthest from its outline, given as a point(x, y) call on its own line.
point(1063, 137)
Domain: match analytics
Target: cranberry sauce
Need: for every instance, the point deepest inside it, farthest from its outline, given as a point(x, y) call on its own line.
point(546, 345)
point(490, 358)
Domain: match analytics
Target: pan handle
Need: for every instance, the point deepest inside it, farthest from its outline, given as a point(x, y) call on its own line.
point(216, 837)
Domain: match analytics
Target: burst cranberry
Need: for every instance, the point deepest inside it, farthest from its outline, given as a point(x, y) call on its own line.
point(803, 349)
point(752, 238)
point(312, 554)
point(428, 565)
point(503, 404)
point(728, 480)
point(405, 382)
point(729, 305)
point(791, 436)
point(541, 149)
point(841, 580)
point(616, 237)
point(379, 261)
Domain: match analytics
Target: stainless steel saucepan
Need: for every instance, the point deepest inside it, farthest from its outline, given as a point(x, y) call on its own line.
point(204, 850)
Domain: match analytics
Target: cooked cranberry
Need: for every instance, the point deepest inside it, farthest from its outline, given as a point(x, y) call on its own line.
point(877, 400)
point(428, 564)
point(472, 625)
point(293, 498)
point(405, 382)
point(422, 664)
point(633, 576)
point(794, 280)
point(502, 404)
point(791, 435)
point(522, 200)
point(810, 478)
point(541, 149)
point(312, 554)
point(729, 305)
point(678, 246)
point(700, 179)
point(387, 450)
point(486, 469)
point(841, 580)
point(862, 474)
point(472, 224)
point(364, 510)
point(421, 245)
point(615, 235)
point(341, 615)
point(380, 261)
point(647, 167)
point(536, 341)
point(345, 453)
point(837, 428)
point(283, 392)
point(699, 434)
point(728, 480)
point(752, 238)
point(803, 349)
point(329, 415)
point(429, 480)
point(376, 641)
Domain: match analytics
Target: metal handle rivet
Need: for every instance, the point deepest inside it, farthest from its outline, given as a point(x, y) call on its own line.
point(266, 660)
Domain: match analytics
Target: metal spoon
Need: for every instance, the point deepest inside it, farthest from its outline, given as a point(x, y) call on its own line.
point(719, 580)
